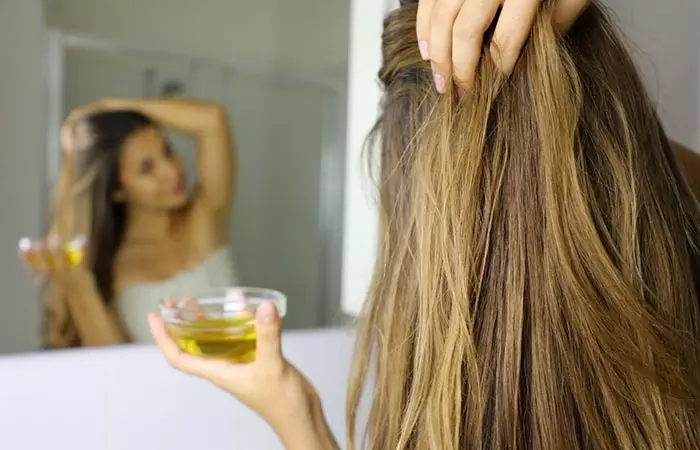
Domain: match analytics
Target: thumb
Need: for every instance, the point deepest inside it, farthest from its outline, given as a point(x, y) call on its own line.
point(268, 329)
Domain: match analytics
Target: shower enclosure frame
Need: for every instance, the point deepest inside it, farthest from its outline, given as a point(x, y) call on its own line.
point(331, 189)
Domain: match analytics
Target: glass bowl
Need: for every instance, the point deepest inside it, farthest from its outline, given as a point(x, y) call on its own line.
point(220, 324)
point(73, 249)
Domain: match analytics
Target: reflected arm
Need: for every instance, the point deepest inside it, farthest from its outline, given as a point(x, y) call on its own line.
point(208, 124)
point(96, 326)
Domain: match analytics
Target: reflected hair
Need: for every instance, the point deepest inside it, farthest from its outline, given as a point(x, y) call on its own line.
point(84, 203)
point(536, 284)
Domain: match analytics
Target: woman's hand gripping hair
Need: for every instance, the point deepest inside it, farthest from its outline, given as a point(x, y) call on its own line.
point(451, 33)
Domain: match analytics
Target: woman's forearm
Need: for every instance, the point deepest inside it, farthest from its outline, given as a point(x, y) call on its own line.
point(208, 123)
point(96, 326)
point(190, 117)
point(312, 434)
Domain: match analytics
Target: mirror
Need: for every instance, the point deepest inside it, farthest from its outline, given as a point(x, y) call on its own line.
point(279, 75)
point(302, 208)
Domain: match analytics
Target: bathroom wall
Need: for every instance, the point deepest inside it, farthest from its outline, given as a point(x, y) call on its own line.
point(22, 149)
point(664, 37)
point(300, 35)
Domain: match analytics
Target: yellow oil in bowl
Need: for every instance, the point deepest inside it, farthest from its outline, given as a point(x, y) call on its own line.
point(220, 325)
point(232, 339)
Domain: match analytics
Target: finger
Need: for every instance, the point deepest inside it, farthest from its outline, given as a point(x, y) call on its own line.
point(191, 306)
point(67, 138)
point(235, 297)
point(425, 8)
point(25, 255)
point(57, 258)
point(33, 270)
point(209, 369)
point(188, 303)
point(170, 310)
point(468, 36)
point(40, 257)
point(567, 11)
point(268, 329)
point(442, 20)
point(512, 30)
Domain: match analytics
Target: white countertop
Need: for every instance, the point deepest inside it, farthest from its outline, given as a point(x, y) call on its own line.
point(128, 398)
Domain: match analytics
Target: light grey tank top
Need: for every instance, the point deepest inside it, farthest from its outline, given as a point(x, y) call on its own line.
point(135, 302)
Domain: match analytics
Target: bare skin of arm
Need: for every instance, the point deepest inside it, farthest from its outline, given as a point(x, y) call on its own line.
point(209, 125)
point(96, 325)
point(95, 322)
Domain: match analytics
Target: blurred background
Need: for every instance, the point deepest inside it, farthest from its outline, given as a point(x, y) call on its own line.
point(279, 68)
point(298, 81)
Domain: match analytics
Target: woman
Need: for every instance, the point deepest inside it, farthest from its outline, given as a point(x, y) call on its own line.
point(124, 188)
point(535, 286)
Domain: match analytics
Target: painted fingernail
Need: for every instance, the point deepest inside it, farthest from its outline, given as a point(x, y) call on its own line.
point(439, 83)
point(423, 47)
point(267, 312)
point(25, 244)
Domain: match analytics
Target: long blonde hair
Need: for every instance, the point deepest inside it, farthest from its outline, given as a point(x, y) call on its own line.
point(535, 285)
point(83, 203)
point(59, 330)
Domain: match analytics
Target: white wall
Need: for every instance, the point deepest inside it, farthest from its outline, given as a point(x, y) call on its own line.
point(298, 35)
point(665, 36)
point(21, 165)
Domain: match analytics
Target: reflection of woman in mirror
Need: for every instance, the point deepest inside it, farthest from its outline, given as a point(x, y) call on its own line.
point(537, 282)
point(148, 239)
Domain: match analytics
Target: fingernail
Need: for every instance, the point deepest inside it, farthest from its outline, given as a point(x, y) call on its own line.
point(439, 83)
point(423, 47)
point(267, 312)
point(25, 244)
